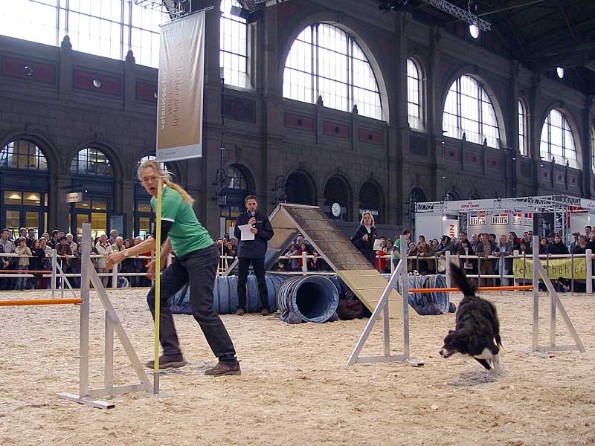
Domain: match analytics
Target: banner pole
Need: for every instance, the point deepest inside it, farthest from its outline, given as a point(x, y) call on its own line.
point(157, 286)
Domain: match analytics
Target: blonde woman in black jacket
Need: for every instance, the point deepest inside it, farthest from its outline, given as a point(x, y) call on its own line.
point(365, 236)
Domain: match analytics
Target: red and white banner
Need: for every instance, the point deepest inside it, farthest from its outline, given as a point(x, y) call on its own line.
point(181, 81)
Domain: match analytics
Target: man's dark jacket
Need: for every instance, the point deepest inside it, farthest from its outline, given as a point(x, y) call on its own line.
point(258, 247)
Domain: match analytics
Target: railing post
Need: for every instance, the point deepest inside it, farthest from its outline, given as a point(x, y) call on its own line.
point(589, 278)
point(54, 268)
point(115, 276)
point(447, 269)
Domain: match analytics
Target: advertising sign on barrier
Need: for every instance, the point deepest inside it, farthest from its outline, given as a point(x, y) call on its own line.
point(556, 268)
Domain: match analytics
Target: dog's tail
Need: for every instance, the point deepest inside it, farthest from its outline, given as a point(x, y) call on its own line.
point(461, 281)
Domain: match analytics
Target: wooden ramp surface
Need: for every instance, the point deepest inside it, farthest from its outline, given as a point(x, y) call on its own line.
point(337, 250)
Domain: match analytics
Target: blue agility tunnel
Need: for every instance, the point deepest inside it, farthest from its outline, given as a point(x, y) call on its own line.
point(225, 295)
point(430, 303)
point(307, 299)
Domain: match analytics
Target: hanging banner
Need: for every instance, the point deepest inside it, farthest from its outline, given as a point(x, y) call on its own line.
point(566, 268)
point(181, 79)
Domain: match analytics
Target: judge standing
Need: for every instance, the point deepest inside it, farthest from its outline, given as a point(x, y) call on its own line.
point(251, 251)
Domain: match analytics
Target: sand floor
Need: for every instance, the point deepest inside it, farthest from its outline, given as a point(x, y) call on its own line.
point(295, 387)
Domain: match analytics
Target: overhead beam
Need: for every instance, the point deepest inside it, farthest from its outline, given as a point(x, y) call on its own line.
point(460, 13)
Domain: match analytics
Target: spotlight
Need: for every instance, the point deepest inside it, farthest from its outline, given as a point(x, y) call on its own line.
point(249, 16)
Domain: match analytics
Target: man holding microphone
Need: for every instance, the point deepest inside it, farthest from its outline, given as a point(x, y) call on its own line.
point(251, 250)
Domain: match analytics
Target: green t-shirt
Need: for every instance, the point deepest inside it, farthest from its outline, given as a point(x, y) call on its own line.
point(186, 233)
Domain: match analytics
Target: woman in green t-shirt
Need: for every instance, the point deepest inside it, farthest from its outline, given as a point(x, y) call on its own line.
point(195, 264)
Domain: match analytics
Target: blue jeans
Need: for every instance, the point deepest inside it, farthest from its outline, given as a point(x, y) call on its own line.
point(21, 281)
point(198, 269)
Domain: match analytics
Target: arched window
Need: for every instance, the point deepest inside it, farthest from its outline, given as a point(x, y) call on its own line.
point(523, 149)
point(557, 142)
point(92, 173)
point(233, 46)
point(336, 190)
point(22, 154)
point(325, 61)
point(236, 179)
point(300, 189)
point(468, 110)
point(237, 185)
point(24, 187)
point(371, 200)
point(414, 95)
point(91, 161)
point(452, 195)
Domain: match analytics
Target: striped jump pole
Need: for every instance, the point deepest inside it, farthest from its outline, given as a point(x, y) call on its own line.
point(484, 288)
point(27, 302)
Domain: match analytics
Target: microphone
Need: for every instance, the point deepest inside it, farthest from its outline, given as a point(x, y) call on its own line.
point(252, 214)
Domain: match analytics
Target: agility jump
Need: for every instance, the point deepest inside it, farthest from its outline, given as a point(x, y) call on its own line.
point(400, 273)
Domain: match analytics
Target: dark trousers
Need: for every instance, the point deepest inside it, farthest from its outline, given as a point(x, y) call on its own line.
point(198, 270)
point(258, 267)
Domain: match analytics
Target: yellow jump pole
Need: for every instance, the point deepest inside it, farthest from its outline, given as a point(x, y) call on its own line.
point(157, 286)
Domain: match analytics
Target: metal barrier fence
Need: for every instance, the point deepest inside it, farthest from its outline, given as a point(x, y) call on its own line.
point(59, 280)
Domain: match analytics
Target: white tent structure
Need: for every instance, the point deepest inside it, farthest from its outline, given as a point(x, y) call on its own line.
point(501, 215)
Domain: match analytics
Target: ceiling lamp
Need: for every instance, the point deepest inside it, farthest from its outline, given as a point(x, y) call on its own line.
point(474, 30)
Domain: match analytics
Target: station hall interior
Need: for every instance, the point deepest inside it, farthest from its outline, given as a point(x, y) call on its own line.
point(351, 105)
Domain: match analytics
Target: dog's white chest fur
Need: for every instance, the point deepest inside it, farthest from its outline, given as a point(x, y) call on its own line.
point(485, 354)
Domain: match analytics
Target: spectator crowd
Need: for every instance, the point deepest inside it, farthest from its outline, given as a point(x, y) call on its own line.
point(28, 253)
point(484, 254)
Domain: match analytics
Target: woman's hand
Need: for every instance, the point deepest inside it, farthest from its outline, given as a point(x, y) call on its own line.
point(151, 270)
point(113, 259)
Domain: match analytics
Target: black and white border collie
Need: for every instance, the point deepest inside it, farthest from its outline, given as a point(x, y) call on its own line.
point(477, 332)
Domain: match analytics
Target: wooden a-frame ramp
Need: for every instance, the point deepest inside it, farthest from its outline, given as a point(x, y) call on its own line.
point(335, 248)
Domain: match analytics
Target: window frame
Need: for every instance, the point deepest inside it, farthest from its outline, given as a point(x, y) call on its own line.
point(416, 123)
point(310, 71)
point(479, 106)
point(564, 131)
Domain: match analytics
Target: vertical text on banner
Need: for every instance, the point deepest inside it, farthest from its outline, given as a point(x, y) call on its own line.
point(181, 79)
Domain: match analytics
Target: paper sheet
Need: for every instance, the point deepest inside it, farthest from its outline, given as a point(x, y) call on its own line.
point(245, 232)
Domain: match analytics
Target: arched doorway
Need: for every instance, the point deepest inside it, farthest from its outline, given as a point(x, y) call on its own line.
point(371, 199)
point(238, 184)
point(300, 189)
point(336, 191)
point(93, 175)
point(24, 187)
point(452, 195)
